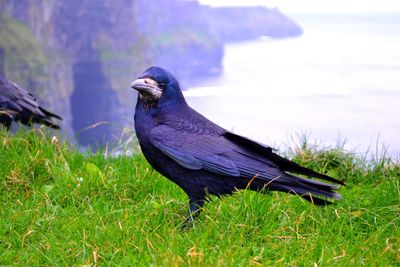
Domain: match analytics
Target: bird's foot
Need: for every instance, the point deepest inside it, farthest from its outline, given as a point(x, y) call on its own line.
point(188, 223)
point(194, 211)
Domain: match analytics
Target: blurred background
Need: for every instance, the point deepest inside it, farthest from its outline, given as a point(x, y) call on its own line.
point(269, 70)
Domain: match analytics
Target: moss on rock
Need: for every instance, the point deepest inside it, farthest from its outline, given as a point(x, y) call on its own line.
point(24, 60)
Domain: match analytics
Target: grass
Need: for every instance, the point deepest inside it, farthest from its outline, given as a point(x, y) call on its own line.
point(61, 207)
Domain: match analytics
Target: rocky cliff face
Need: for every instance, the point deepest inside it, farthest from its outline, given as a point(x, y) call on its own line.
point(79, 56)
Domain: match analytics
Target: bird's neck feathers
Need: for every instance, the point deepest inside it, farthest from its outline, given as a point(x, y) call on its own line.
point(148, 116)
point(145, 103)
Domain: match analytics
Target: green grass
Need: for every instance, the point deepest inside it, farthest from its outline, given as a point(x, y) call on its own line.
point(61, 207)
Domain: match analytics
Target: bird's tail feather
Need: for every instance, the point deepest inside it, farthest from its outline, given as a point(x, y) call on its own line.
point(50, 124)
point(47, 118)
point(314, 191)
point(293, 167)
point(39, 119)
point(50, 114)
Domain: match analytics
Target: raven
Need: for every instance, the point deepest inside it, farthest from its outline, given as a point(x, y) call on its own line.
point(19, 105)
point(203, 158)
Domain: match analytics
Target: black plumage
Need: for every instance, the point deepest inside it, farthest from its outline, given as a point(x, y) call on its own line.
point(17, 104)
point(203, 158)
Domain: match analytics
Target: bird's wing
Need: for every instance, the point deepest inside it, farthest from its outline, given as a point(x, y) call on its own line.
point(200, 146)
point(224, 153)
point(17, 98)
point(23, 105)
point(195, 148)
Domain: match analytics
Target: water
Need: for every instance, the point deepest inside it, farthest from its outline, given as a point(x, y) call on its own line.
point(340, 80)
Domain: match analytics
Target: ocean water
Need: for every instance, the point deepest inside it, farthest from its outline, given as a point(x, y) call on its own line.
point(339, 81)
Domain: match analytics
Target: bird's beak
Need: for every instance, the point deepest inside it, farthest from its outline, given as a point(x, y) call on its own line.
point(147, 87)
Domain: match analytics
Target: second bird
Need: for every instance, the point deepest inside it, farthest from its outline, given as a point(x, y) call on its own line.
point(17, 104)
point(203, 158)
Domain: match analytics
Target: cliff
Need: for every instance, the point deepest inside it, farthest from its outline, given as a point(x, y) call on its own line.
point(79, 56)
point(233, 24)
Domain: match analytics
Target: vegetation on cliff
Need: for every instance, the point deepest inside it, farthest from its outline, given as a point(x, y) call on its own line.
point(24, 59)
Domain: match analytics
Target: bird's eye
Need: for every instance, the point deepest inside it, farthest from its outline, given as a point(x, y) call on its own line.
point(161, 85)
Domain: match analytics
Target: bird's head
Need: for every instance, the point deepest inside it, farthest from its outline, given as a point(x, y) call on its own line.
point(158, 87)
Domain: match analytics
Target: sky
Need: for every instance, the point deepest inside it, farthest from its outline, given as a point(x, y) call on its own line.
point(317, 6)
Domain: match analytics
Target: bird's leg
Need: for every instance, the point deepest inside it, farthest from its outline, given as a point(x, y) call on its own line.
point(195, 208)
point(194, 211)
point(6, 121)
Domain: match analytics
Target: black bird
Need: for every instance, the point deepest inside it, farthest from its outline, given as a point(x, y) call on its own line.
point(203, 158)
point(19, 105)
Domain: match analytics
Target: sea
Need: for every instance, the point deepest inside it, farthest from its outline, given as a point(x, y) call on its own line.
point(337, 85)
